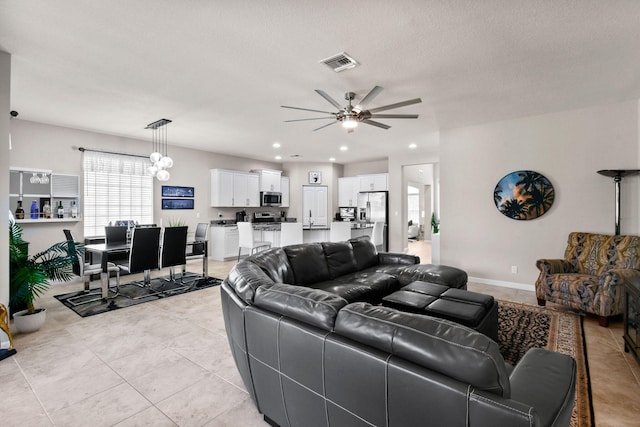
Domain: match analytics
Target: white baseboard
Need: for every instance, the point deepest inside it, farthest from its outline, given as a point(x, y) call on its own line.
point(514, 285)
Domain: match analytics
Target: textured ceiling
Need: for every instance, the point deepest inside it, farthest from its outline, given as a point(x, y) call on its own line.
point(221, 69)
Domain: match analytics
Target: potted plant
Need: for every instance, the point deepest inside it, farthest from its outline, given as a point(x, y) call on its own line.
point(29, 276)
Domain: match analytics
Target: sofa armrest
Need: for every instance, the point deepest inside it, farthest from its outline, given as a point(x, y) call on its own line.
point(554, 266)
point(397, 258)
point(546, 380)
point(622, 275)
point(607, 300)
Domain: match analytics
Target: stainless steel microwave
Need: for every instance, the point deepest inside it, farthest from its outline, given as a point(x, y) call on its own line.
point(269, 198)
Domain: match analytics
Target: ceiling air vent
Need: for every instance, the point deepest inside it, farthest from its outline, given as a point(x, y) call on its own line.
point(340, 62)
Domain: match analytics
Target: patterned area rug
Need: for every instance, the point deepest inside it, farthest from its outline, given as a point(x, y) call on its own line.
point(89, 304)
point(523, 326)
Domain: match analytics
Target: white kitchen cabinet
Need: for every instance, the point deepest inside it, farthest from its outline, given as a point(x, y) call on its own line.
point(314, 205)
point(221, 187)
point(269, 180)
point(348, 189)
point(223, 243)
point(284, 189)
point(234, 188)
point(246, 189)
point(374, 182)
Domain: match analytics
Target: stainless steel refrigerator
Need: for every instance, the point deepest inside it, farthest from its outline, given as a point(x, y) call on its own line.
point(373, 206)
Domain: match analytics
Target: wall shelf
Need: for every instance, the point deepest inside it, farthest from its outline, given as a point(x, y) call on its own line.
point(46, 220)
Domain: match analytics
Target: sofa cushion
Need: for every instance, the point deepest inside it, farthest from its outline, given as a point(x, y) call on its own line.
point(340, 258)
point(275, 264)
point(437, 344)
point(441, 274)
point(312, 306)
point(351, 292)
point(308, 263)
point(365, 252)
point(595, 254)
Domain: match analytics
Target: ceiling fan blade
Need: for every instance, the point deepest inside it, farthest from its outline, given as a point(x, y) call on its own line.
point(314, 118)
point(368, 98)
point(308, 109)
point(378, 124)
point(396, 105)
point(332, 123)
point(328, 98)
point(394, 116)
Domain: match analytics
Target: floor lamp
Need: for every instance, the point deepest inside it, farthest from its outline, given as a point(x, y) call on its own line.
point(617, 175)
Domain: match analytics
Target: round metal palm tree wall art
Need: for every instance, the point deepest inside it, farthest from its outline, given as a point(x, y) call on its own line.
point(523, 195)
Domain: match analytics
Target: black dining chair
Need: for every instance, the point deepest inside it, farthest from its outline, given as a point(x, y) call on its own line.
point(86, 270)
point(173, 253)
point(198, 248)
point(116, 234)
point(143, 255)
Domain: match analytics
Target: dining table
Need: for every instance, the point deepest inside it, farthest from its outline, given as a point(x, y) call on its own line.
point(104, 249)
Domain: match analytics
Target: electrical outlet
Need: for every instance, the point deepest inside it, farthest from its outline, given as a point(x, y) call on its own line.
point(197, 214)
point(514, 269)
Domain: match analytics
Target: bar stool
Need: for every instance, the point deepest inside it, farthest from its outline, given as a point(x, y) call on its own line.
point(245, 239)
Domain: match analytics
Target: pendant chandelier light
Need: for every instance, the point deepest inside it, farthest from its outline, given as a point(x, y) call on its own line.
point(160, 160)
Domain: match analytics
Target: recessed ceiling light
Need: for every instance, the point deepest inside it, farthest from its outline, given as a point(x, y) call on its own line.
point(332, 159)
point(278, 157)
point(412, 146)
point(344, 148)
point(276, 145)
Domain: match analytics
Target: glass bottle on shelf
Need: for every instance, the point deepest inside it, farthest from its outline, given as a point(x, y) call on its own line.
point(19, 210)
point(60, 210)
point(34, 211)
point(74, 209)
point(46, 210)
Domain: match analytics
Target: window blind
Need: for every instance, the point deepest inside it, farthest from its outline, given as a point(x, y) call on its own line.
point(116, 188)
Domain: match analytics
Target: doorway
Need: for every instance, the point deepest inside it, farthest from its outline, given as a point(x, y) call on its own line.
point(419, 198)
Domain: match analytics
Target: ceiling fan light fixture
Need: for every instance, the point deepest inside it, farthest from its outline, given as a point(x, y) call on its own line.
point(349, 123)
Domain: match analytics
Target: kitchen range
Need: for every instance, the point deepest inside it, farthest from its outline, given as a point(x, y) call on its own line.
point(266, 221)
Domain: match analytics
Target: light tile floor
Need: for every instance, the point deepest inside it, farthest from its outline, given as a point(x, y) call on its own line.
point(167, 363)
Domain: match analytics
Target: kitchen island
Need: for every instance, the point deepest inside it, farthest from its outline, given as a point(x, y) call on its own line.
point(223, 240)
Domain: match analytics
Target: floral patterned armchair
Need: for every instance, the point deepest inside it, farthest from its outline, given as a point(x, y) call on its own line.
point(591, 275)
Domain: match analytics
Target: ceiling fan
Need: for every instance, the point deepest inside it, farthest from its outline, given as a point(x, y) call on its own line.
point(350, 115)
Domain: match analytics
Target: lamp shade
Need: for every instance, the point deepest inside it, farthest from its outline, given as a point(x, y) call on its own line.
point(163, 175)
point(166, 162)
point(155, 157)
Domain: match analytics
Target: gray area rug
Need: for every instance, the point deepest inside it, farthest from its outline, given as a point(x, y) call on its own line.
point(128, 295)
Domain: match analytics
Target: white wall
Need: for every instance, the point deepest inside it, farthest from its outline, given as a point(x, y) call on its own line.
point(5, 107)
point(365, 168)
point(568, 148)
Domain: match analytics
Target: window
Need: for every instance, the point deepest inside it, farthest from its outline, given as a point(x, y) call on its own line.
point(413, 205)
point(116, 188)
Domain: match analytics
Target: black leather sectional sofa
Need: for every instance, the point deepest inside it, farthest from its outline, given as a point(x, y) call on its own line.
point(314, 347)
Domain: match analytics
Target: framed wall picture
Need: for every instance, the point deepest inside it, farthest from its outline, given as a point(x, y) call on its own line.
point(177, 203)
point(315, 177)
point(523, 195)
point(176, 191)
